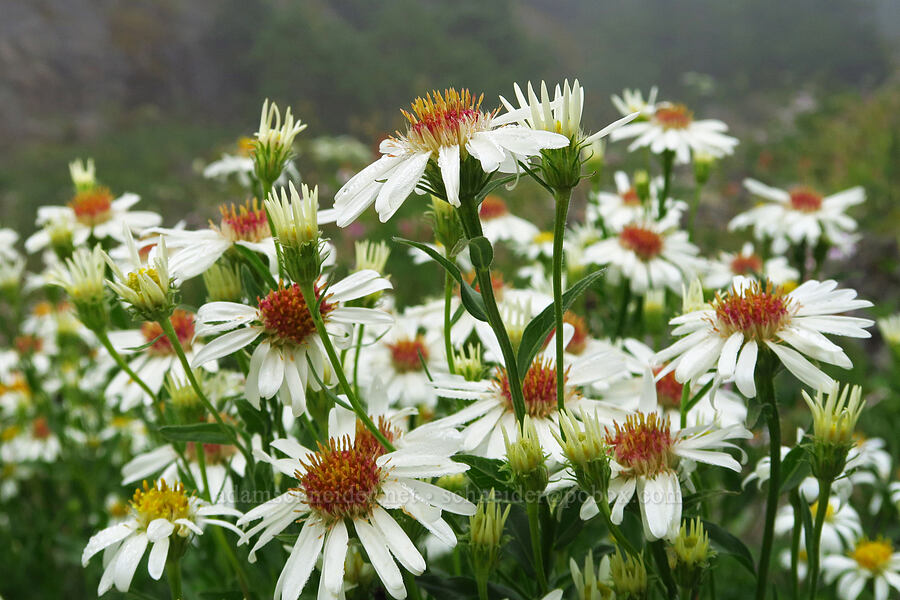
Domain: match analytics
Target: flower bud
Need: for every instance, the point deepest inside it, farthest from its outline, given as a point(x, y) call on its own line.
point(655, 310)
point(83, 174)
point(585, 449)
point(692, 554)
point(703, 165)
point(273, 145)
point(185, 401)
point(692, 297)
point(371, 256)
point(82, 277)
point(61, 237)
point(526, 459)
point(593, 582)
point(296, 225)
point(486, 532)
point(641, 183)
point(629, 576)
point(448, 231)
point(834, 419)
point(149, 290)
point(223, 283)
point(890, 331)
point(469, 363)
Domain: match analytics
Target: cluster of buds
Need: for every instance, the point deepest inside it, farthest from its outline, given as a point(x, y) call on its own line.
point(692, 297)
point(371, 256)
point(273, 143)
point(294, 218)
point(486, 534)
point(834, 420)
point(526, 459)
point(593, 582)
point(82, 277)
point(584, 446)
point(692, 554)
point(629, 576)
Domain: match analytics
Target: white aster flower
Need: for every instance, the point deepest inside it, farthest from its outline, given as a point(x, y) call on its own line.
point(800, 214)
point(632, 101)
point(728, 334)
point(672, 128)
point(354, 481)
point(649, 254)
point(870, 561)
point(492, 412)
point(840, 529)
point(159, 515)
point(149, 289)
point(615, 211)
point(444, 130)
point(498, 223)
point(721, 272)
point(289, 346)
point(94, 212)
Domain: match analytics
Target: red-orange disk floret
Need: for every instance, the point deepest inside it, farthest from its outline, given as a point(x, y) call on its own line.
point(758, 312)
point(285, 316)
point(746, 264)
point(92, 207)
point(492, 207)
point(805, 199)
point(538, 387)
point(405, 354)
point(645, 243)
point(674, 116)
point(183, 324)
point(668, 390)
point(247, 222)
point(630, 197)
point(643, 445)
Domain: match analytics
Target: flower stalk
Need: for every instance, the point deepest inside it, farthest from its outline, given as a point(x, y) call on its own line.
point(562, 197)
point(765, 375)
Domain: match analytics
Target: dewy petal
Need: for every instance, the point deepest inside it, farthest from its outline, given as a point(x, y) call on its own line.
point(398, 542)
point(448, 162)
point(103, 539)
point(127, 559)
point(401, 183)
point(271, 373)
point(527, 142)
point(488, 153)
point(159, 529)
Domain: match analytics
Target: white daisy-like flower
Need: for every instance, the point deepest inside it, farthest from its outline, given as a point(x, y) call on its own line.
point(219, 461)
point(890, 329)
point(290, 345)
point(498, 224)
point(193, 252)
point(8, 239)
point(721, 272)
point(647, 458)
point(35, 441)
point(160, 515)
point(841, 526)
point(617, 210)
point(492, 413)
point(92, 212)
point(632, 101)
point(870, 562)
point(650, 254)
point(729, 333)
point(354, 481)
point(402, 359)
point(154, 362)
point(444, 129)
point(672, 128)
point(724, 408)
point(800, 214)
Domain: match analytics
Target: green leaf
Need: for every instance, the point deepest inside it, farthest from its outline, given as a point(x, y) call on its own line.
point(470, 298)
point(731, 545)
point(254, 261)
point(205, 433)
point(795, 468)
point(481, 252)
point(147, 345)
point(251, 285)
point(252, 418)
point(485, 473)
point(540, 327)
point(461, 588)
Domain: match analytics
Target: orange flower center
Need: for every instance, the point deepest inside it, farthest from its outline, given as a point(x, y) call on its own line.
point(343, 478)
point(805, 199)
point(674, 116)
point(92, 207)
point(405, 354)
point(183, 324)
point(746, 264)
point(643, 445)
point(668, 390)
point(538, 387)
point(247, 222)
point(40, 429)
point(492, 207)
point(758, 311)
point(214, 454)
point(644, 242)
point(285, 316)
point(630, 197)
point(28, 344)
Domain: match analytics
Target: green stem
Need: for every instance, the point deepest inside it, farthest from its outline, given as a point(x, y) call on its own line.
point(468, 213)
point(481, 581)
point(448, 342)
point(795, 544)
point(104, 340)
point(411, 586)
point(685, 398)
point(201, 460)
point(179, 350)
point(668, 158)
point(534, 528)
point(232, 560)
point(267, 189)
point(614, 531)
point(562, 198)
point(309, 296)
point(813, 550)
point(623, 309)
point(359, 343)
point(662, 565)
point(173, 575)
point(766, 391)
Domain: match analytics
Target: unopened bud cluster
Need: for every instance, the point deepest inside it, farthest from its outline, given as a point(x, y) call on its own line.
point(273, 143)
point(82, 277)
point(834, 420)
point(526, 459)
point(586, 452)
point(294, 217)
point(692, 554)
point(629, 576)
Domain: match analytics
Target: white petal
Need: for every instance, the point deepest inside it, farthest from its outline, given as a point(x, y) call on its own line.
point(745, 370)
point(225, 345)
point(398, 542)
point(448, 162)
point(334, 555)
point(381, 560)
point(127, 559)
point(156, 562)
point(103, 539)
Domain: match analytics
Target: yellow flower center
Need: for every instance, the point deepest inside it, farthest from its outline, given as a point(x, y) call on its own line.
point(160, 502)
point(872, 555)
point(134, 279)
point(447, 119)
